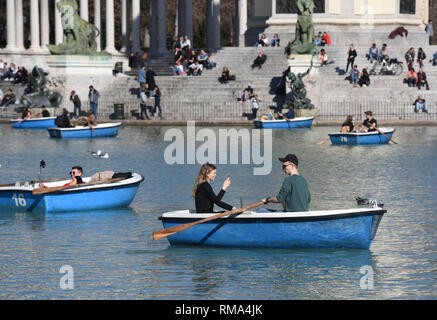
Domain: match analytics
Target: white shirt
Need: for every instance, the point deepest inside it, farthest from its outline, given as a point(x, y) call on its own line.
point(255, 103)
point(143, 97)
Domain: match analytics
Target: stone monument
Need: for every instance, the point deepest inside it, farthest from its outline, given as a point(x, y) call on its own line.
point(79, 35)
point(303, 51)
point(36, 95)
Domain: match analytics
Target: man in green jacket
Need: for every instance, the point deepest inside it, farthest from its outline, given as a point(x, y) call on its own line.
point(294, 193)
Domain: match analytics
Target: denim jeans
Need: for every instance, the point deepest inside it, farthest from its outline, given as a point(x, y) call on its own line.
point(77, 110)
point(421, 105)
point(354, 79)
point(93, 106)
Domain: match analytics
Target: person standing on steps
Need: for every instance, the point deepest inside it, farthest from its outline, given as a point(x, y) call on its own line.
point(93, 97)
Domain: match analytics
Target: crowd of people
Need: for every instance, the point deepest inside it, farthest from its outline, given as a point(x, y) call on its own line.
point(416, 79)
point(188, 61)
point(14, 73)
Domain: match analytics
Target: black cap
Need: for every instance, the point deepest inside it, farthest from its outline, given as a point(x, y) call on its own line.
point(290, 157)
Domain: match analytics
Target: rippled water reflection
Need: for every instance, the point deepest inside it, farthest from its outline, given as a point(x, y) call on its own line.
point(114, 256)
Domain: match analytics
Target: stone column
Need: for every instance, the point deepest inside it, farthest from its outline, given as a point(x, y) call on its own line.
point(209, 23)
point(136, 24)
point(153, 28)
point(242, 22)
point(216, 24)
point(10, 15)
point(162, 43)
point(98, 23)
point(181, 18)
point(19, 25)
point(45, 31)
point(59, 33)
point(84, 9)
point(110, 44)
point(189, 20)
point(34, 26)
point(125, 26)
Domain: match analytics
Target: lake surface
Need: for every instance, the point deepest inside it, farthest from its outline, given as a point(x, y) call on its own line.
point(113, 255)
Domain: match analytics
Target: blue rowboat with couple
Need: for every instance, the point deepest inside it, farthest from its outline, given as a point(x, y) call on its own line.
point(100, 130)
point(56, 197)
point(302, 122)
point(382, 136)
point(351, 228)
point(33, 123)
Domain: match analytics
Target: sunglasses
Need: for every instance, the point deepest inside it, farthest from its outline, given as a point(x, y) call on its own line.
point(285, 166)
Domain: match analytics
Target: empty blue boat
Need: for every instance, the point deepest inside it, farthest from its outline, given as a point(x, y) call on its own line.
point(303, 122)
point(362, 138)
point(19, 197)
point(33, 123)
point(100, 131)
point(353, 228)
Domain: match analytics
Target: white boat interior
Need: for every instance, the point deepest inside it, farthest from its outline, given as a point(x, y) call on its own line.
point(30, 186)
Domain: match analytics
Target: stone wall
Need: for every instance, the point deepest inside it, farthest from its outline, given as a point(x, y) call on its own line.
point(433, 16)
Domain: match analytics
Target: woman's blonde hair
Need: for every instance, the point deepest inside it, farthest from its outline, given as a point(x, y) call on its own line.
point(202, 176)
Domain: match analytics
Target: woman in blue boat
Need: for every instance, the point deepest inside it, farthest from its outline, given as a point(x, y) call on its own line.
point(204, 195)
point(348, 125)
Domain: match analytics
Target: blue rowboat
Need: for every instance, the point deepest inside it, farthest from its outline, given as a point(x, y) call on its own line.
point(353, 228)
point(33, 123)
point(102, 130)
point(303, 122)
point(361, 138)
point(119, 194)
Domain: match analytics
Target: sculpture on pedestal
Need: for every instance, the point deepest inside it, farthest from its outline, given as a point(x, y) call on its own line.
point(297, 95)
point(79, 35)
point(35, 95)
point(304, 41)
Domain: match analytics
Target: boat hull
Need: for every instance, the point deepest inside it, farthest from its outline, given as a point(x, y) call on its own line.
point(104, 130)
point(102, 197)
point(285, 124)
point(365, 138)
point(38, 123)
point(345, 230)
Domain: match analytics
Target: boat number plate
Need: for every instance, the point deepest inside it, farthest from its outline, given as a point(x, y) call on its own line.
point(20, 201)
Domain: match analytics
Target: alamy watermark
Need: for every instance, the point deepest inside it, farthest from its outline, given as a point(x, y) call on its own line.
point(183, 150)
point(67, 280)
point(366, 281)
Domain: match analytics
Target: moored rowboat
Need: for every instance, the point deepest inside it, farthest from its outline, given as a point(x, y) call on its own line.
point(302, 122)
point(97, 131)
point(362, 138)
point(118, 194)
point(352, 228)
point(33, 123)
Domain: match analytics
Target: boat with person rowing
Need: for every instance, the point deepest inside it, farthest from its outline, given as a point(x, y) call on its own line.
point(56, 197)
point(302, 122)
point(100, 130)
point(350, 228)
point(33, 123)
point(381, 136)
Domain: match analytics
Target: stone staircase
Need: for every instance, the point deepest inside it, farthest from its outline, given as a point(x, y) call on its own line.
point(204, 98)
point(385, 93)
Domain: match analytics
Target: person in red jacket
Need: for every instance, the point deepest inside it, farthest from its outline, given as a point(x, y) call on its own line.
point(326, 40)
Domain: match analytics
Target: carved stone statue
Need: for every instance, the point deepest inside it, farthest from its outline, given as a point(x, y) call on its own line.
point(79, 35)
point(35, 95)
point(297, 95)
point(304, 41)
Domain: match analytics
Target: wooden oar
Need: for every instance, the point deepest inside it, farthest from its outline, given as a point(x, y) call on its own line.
point(172, 230)
point(389, 139)
point(55, 189)
point(289, 120)
point(88, 120)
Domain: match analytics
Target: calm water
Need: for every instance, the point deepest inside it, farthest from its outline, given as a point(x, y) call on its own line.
point(113, 255)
